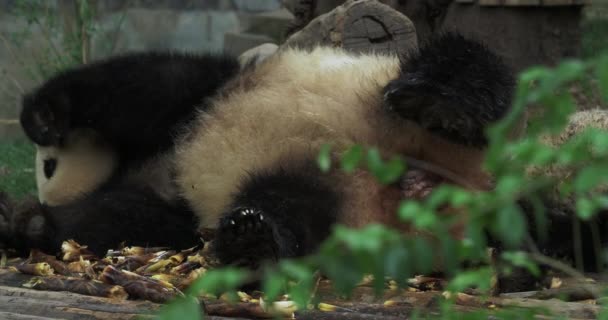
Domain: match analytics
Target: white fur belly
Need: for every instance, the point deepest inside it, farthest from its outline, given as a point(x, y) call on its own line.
point(299, 104)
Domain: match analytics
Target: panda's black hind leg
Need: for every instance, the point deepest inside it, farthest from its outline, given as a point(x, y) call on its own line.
point(101, 220)
point(276, 215)
point(452, 86)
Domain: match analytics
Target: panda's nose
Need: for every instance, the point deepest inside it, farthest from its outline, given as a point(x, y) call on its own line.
point(49, 167)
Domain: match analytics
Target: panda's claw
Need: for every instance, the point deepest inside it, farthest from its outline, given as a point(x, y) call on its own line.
point(244, 237)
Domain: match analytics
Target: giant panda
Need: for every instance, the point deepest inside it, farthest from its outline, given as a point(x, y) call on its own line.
point(241, 153)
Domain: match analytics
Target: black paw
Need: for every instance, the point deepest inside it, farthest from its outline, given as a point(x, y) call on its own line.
point(435, 115)
point(25, 227)
point(245, 238)
point(45, 120)
point(453, 87)
point(5, 217)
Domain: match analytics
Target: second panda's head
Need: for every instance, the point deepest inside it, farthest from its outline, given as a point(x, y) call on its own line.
point(82, 164)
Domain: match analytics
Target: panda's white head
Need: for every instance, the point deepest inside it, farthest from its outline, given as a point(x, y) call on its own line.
point(65, 173)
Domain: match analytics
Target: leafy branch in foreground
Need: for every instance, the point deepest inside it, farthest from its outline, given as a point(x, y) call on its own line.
point(348, 255)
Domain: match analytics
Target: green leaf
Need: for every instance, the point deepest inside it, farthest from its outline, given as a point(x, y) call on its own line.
point(510, 225)
point(473, 246)
point(439, 196)
point(218, 281)
point(392, 171)
point(527, 77)
point(585, 208)
point(297, 271)
point(425, 255)
point(422, 218)
point(273, 285)
point(396, 263)
point(186, 308)
point(602, 76)
point(599, 141)
point(521, 259)
point(302, 274)
point(603, 313)
point(508, 185)
point(324, 158)
point(480, 278)
point(590, 177)
point(300, 293)
point(461, 197)
point(341, 267)
point(385, 173)
point(408, 210)
point(570, 70)
point(352, 158)
point(374, 162)
point(449, 253)
point(557, 112)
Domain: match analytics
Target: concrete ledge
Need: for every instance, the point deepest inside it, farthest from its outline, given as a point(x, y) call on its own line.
point(236, 42)
point(10, 129)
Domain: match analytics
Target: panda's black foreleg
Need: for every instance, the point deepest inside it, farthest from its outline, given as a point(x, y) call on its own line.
point(103, 220)
point(453, 87)
point(136, 102)
point(276, 215)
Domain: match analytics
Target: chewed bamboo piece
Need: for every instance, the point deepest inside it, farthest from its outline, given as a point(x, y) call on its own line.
point(139, 286)
point(37, 256)
point(73, 251)
point(36, 269)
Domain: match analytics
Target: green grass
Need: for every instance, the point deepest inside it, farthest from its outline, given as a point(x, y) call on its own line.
point(17, 176)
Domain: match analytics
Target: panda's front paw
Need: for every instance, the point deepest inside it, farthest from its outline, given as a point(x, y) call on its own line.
point(25, 226)
point(436, 114)
point(245, 238)
point(45, 121)
point(454, 87)
point(5, 217)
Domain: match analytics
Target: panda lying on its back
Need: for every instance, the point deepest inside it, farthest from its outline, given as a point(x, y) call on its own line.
point(246, 163)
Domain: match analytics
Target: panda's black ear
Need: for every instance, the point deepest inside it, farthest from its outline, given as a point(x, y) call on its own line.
point(454, 87)
point(45, 119)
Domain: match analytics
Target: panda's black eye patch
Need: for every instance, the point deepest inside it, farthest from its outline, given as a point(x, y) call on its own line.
point(49, 167)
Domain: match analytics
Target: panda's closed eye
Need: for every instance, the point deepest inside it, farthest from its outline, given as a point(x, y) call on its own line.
point(49, 167)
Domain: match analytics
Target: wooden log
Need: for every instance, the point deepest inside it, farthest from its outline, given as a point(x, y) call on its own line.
point(16, 316)
point(359, 26)
point(67, 305)
point(320, 315)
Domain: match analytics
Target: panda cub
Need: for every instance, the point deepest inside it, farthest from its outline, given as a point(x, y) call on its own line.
point(84, 123)
point(238, 147)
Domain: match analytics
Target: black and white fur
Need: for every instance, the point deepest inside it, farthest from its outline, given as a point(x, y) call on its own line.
point(244, 161)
